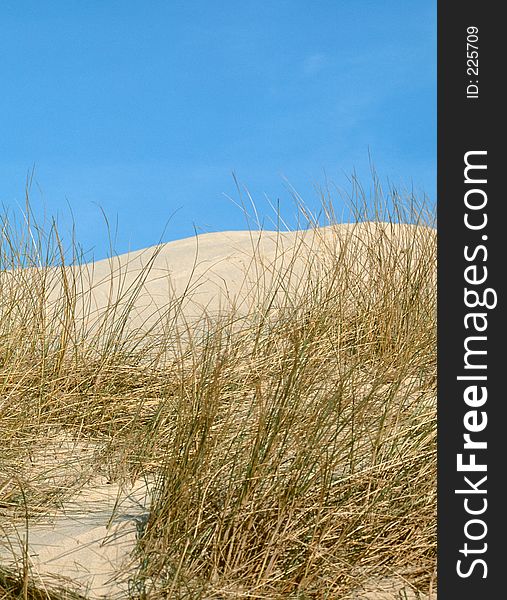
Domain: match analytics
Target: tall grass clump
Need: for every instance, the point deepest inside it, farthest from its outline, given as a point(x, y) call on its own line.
point(293, 446)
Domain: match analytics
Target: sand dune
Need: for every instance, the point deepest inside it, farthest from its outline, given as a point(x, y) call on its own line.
point(215, 273)
point(89, 539)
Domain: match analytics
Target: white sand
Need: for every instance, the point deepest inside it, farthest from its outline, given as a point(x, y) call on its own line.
point(87, 544)
point(214, 272)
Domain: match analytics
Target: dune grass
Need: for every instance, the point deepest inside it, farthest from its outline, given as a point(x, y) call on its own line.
point(293, 448)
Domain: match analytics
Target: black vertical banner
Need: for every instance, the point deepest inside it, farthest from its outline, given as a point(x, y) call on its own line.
point(472, 360)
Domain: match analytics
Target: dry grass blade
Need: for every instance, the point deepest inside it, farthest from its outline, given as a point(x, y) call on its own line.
point(290, 429)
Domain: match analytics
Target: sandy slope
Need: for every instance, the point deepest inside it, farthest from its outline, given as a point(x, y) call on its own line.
point(90, 538)
point(215, 272)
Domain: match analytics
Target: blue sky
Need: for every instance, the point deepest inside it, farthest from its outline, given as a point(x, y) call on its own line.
point(146, 108)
